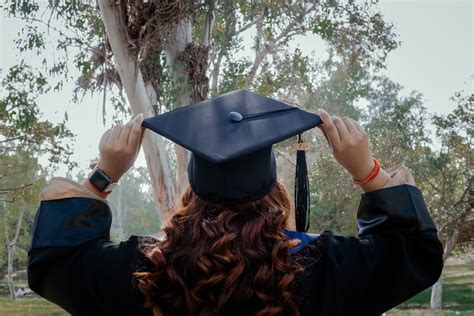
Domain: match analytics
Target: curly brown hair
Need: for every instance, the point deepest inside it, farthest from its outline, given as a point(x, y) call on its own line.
point(218, 259)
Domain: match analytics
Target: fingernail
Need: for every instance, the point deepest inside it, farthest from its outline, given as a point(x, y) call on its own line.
point(321, 111)
point(139, 117)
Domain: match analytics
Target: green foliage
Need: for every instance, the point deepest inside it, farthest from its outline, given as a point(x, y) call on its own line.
point(324, 29)
point(340, 88)
point(397, 123)
point(233, 77)
point(333, 197)
point(447, 174)
point(356, 35)
point(291, 79)
point(21, 125)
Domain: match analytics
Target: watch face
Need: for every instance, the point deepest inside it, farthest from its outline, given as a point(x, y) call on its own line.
point(99, 180)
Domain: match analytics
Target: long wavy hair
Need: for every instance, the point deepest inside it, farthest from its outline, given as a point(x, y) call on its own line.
point(218, 259)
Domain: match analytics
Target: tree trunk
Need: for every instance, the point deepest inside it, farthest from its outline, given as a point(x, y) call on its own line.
point(182, 38)
point(120, 213)
point(11, 247)
point(155, 152)
point(11, 285)
point(132, 80)
point(437, 294)
point(437, 288)
point(179, 74)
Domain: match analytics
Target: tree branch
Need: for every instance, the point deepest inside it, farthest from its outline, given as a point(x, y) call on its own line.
point(292, 29)
point(18, 226)
point(209, 24)
point(6, 190)
point(285, 156)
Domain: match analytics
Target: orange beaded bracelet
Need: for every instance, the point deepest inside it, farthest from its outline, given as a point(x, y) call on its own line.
point(375, 171)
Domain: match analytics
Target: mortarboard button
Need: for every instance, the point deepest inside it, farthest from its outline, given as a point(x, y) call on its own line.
point(235, 116)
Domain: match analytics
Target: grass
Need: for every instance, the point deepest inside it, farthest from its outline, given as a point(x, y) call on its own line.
point(458, 295)
point(427, 312)
point(29, 306)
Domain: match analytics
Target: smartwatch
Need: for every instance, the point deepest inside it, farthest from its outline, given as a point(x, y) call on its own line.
point(101, 181)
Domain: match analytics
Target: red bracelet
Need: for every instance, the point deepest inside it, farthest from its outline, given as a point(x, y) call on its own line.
point(371, 175)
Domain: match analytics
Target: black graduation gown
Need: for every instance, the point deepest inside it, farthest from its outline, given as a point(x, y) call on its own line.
point(73, 263)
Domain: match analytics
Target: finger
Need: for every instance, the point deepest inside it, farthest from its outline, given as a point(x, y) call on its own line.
point(393, 170)
point(396, 179)
point(357, 125)
point(321, 127)
point(330, 128)
point(124, 135)
point(105, 138)
point(407, 175)
point(341, 129)
point(136, 132)
point(410, 179)
point(349, 125)
point(106, 135)
point(115, 134)
point(142, 134)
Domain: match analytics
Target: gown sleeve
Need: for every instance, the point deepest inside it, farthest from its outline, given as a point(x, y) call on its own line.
point(396, 255)
point(72, 261)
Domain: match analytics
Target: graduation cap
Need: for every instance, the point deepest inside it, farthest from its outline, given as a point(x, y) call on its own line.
point(231, 138)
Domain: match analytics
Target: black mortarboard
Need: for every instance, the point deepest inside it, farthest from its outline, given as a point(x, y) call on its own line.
point(231, 138)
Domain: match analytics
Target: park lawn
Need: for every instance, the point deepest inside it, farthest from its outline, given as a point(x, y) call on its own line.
point(29, 306)
point(458, 295)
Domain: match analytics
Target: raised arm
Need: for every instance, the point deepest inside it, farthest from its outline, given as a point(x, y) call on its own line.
point(72, 261)
point(397, 253)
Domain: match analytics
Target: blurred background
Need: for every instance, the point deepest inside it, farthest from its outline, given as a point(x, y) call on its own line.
point(402, 68)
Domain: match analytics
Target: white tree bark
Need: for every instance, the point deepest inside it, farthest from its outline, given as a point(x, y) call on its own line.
point(120, 213)
point(132, 80)
point(437, 289)
point(182, 38)
point(179, 73)
point(437, 294)
point(11, 247)
point(11, 285)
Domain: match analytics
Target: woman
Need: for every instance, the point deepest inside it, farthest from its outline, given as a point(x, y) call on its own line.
point(227, 250)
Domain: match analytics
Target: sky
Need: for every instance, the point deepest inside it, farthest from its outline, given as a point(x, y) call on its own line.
point(437, 47)
point(435, 58)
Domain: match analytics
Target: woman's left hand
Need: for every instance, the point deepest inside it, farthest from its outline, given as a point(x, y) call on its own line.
point(119, 147)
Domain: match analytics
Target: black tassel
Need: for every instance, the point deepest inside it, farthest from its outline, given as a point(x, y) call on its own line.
point(302, 198)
